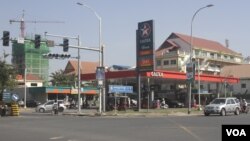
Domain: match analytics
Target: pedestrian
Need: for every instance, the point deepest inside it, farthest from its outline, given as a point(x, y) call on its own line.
point(244, 104)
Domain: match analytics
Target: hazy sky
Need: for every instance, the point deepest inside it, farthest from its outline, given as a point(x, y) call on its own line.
point(227, 19)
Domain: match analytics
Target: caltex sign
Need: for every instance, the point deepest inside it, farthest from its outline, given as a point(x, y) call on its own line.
point(145, 46)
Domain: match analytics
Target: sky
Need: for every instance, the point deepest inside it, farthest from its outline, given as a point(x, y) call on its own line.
point(227, 19)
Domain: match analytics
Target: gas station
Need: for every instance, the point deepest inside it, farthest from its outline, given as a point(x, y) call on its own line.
point(162, 84)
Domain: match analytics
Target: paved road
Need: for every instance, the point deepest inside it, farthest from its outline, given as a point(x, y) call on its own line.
point(45, 127)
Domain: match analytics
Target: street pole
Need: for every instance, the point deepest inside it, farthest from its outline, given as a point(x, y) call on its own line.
point(191, 54)
point(25, 87)
point(100, 52)
point(79, 76)
point(199, 85)
point(148, 91)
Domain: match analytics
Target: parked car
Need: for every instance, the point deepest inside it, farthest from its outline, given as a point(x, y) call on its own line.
point(32, 103)
point(174, 103)
point(48, 106)
point(222, 106)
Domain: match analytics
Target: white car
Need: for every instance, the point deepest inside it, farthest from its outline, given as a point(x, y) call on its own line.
point(222, 106)
point(48, 106)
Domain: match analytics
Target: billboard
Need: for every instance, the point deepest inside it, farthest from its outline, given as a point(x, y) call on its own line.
point(145, 46)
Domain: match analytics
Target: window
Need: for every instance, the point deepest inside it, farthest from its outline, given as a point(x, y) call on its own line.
point(225, 57)
point(173, 62)
point(33, 84)
point(204, 54)
point(212, 55)
point(243, 85)
point(232, 101)
point(172, 87)
point(166, 62)
point(158, 62)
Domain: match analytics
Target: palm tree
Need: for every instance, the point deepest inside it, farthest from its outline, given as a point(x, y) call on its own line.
point(61, 79)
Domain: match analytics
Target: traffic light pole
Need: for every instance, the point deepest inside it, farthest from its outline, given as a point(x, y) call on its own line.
point(79, 70)
point(100, 50)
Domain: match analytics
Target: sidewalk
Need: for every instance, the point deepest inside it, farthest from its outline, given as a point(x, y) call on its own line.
point(142, 113)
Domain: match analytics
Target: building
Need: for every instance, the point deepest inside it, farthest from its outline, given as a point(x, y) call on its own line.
point(30, 80)
point(242, 72)
point(209, 56)
point(174, 54)
point(85, 67)
point(26, 56)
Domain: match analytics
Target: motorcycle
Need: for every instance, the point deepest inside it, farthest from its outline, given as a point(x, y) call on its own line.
point(245, 109)
point(164, 106)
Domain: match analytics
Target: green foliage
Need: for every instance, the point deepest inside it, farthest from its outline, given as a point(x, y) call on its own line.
point(61, 79)
point(7, 77)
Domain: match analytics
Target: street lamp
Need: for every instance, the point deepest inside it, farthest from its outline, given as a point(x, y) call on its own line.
point(191, 55)
point(101, 62)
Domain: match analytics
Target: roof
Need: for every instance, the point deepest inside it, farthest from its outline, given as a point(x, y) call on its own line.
point(30, 77)
point(168, 75)
point(203, 43)
point(86, 67)
point(241, 71)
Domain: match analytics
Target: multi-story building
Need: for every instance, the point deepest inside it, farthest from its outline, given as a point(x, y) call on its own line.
point(210, 57)
point(242, 72)
point(174, 54)
point(25, 55)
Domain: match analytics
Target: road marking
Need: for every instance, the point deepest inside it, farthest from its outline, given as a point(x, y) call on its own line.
point(186, 130)
point(190, 132)
point(56, 138)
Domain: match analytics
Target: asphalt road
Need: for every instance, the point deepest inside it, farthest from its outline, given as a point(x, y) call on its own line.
point(45, 127)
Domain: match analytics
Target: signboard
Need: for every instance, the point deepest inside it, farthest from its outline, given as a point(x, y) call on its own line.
point(190, 71)
point(7, 97)
point(100, 73)
point(120, 89)
point(145, 46)
point(100, 76)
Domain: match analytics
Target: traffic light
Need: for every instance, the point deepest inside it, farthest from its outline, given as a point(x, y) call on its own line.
point(37, 41)
point(6, 38)
point(65, 45)
point(56, 56)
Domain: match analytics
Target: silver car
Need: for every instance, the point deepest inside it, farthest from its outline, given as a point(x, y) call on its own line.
point(222, 106)
point(48, 106)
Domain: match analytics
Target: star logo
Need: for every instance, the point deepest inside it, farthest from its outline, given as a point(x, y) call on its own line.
point(145, 30)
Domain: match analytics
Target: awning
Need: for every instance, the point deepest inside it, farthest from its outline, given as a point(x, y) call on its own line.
point(86, 91)
point(89, 90)
point(58, 90)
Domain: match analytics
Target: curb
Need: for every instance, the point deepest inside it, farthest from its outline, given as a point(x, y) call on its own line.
point(131, 115)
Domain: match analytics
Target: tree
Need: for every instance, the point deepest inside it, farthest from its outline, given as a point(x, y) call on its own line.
point(7, 77)
point(61, 79)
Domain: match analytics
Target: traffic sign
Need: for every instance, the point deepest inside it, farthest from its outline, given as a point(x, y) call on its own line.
point(15, 97)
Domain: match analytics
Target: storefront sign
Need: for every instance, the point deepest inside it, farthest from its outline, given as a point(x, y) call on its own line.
point(157, 74)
